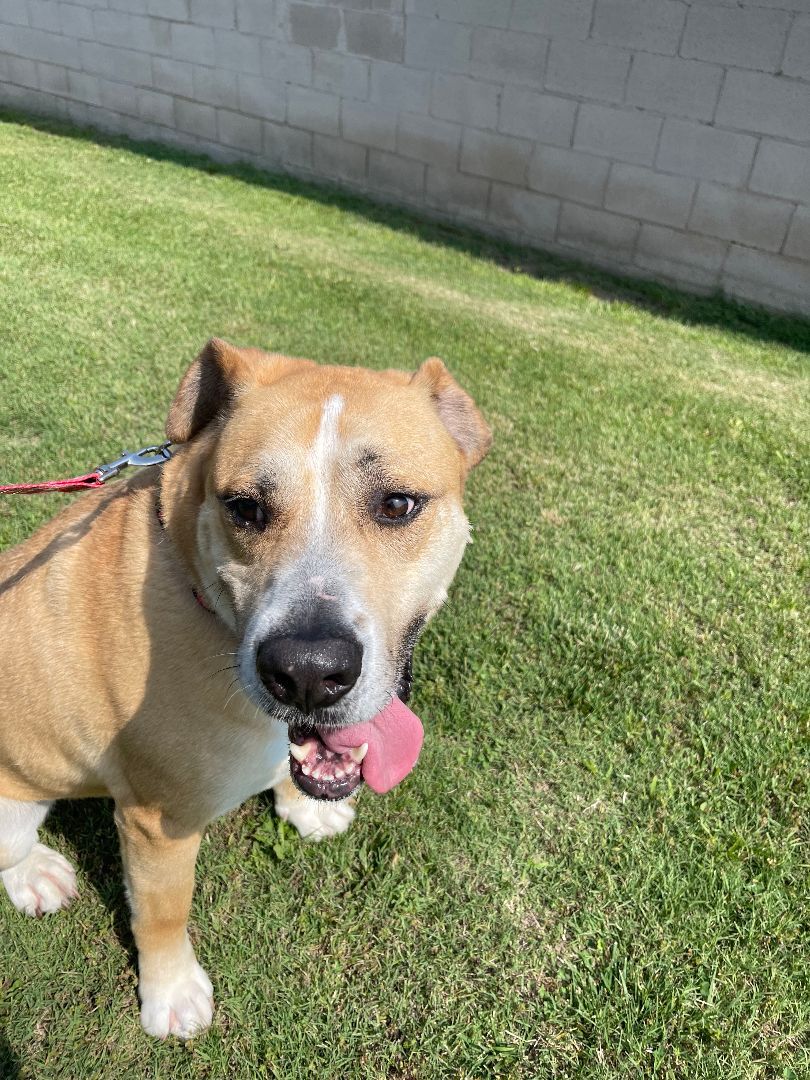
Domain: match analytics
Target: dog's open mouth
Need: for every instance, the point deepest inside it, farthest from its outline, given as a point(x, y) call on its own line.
point(330, 763)
point(321, 772)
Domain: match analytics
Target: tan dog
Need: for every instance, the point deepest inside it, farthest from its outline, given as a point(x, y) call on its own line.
point(316, 512)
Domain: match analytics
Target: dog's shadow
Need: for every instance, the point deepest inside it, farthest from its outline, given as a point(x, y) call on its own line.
point(88, 829)
point(9, 1062)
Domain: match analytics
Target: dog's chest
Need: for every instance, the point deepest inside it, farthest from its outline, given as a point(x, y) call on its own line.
point(253, 762)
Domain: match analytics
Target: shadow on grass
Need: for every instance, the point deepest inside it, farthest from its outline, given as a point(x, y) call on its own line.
point(683, 307)
point(9, 1062)
point(88, 827)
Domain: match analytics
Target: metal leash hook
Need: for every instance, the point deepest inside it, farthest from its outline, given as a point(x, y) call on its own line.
point(149, 455)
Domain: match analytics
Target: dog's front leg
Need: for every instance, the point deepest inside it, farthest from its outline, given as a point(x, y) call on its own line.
point(175, 992)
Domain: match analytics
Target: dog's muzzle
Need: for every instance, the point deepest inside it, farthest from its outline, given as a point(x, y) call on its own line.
point(309, 673)
point(310, 670)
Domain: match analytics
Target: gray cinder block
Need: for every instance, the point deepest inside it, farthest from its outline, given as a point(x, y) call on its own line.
point(648, 25)
point(585, 228)
point(195, 119)
point(798, 239)
point(256, 17)
point(398, 87)
point(705, 152)
point(673, 86)
point(313, 24)
point(193, 43)
point(217, 13)
point(768, 104)
point(241, 53)
point(362, 122)
point(554, 18)
point(396, 174)
point(508, 56)
point(498, 157)
point(585, 69)
point(429, 140)
point(339, 159)
point(313, 110)
point(76, 21)
point(704, 252)
point(797, 54)
point(547, 118)
point(623, 134)
point(236, 129)
point(454, 194)
point(375, 34)
point(465, 101)
point(215, 86)
point(336, 73)
point(747, 37)
point(782, 169)
point(754, 220)
point(651, 196)
point(569, 174)
point(533, 216)
point(263, 97)
point(436, 45)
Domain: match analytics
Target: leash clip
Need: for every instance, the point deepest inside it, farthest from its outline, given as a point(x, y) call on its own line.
point(149, 455)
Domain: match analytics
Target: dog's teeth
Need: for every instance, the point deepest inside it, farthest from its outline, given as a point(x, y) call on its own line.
point(305, 769)
point(357, 753)
point(340, 773)
point(300, 753)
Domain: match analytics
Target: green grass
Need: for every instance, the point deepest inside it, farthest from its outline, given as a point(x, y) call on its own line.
point(599, 868)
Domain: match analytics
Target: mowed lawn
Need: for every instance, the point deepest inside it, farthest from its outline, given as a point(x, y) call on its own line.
point(599, 866)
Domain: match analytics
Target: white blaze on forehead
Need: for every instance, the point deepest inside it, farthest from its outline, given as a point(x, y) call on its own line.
point(322, 454)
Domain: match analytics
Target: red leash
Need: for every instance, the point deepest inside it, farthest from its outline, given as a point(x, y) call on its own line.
point(150, 455)
point(75, 483)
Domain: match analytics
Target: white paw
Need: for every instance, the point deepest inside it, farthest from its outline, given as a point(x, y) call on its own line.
point(182, 1005)
point(42, 883)
point(315, 820)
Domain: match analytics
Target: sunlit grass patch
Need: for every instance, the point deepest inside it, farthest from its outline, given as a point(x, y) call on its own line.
point(599, 867)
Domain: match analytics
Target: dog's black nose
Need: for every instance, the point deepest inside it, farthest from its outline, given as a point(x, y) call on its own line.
point(309, 674)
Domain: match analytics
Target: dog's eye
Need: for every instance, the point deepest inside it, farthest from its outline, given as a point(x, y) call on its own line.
point(247, 513)
point(396, 506)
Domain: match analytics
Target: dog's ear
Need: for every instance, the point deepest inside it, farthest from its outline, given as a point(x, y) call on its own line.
point(457, 410)
point(213, 382)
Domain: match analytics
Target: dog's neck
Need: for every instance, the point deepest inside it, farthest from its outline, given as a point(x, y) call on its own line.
point(162, 523)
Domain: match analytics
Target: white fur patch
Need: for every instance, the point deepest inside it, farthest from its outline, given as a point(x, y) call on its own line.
point(321, 457)
point(19, 822)
point(178, 1002)
point(42, 883)
point(264, 760)
point(315, 820)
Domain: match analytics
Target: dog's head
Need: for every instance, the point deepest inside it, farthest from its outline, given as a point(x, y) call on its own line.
point(320, 512)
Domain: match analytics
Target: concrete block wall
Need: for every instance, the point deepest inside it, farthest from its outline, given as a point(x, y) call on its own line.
point(664, 138)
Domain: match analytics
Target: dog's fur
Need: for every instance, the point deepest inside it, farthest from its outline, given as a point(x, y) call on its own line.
point(117, 683)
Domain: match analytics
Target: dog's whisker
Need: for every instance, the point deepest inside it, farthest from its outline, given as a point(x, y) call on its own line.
point(222, 670)
point(235, 692)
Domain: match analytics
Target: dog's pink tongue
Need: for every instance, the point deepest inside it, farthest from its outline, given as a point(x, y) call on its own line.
point(394, 740)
